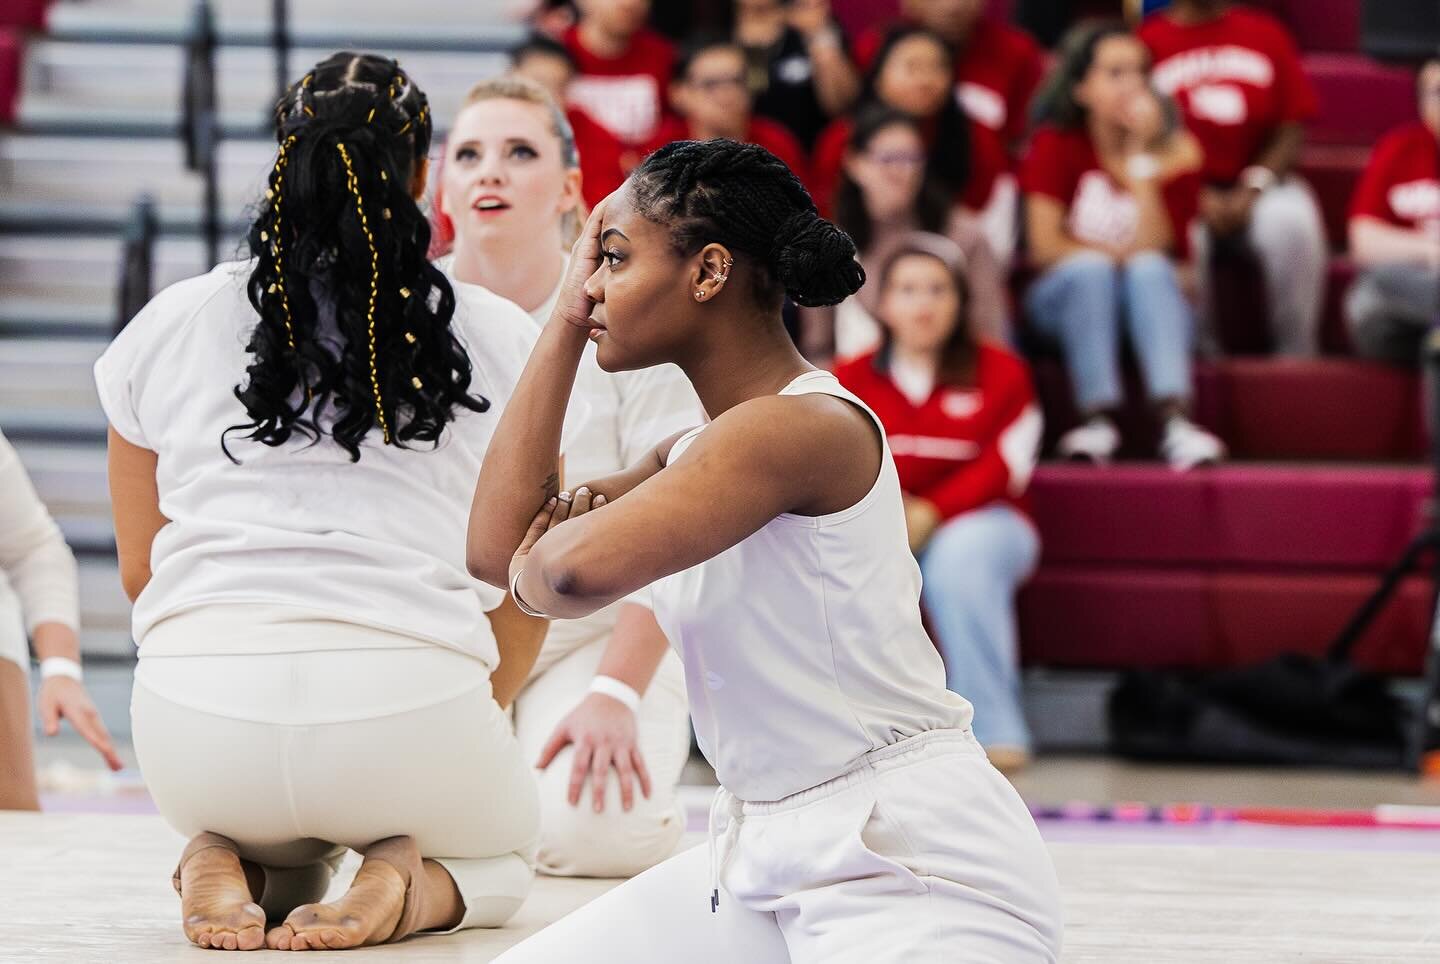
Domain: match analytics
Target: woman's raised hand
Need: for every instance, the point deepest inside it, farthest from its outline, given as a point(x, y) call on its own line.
point(575, 304)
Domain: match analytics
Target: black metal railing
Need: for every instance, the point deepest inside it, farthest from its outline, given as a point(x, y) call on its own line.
point(137, 261)
point(200, 123)
point(280, 42)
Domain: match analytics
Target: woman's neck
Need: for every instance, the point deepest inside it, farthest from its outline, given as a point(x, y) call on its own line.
point(917, 360)
point(741, 361)
point(525, 274)
point(1110, 139)
point(885, 227)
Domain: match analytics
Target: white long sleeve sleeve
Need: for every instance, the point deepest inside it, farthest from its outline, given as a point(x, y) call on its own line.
point(33, 555)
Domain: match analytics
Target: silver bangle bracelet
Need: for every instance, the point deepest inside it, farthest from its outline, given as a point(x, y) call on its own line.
point(515, 595)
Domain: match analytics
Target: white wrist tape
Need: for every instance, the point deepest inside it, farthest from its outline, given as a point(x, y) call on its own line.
point(60, 666)
point(612, 687)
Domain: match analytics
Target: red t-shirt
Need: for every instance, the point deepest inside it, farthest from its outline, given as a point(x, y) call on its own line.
point(987, 161)
point(962, 448)
point(768, 134)
point(1062, 164)
point(602, 156)
point(625, 94)
point(1237, 78)
point(1401, 185)
point(996, 75)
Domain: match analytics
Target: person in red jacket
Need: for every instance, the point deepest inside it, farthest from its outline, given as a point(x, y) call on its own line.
point(1237, 76)
point(623, 67)
point(997, 71)
point(712, 99)
point(964, 427)
point(1395, 236)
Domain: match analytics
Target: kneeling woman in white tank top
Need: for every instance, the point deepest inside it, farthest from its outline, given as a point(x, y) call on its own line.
point(292, 441)
point(861, 821)
point(607, 692)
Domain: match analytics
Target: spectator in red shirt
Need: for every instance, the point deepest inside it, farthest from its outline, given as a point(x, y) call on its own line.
point(603, 159)
point(712, 100)
point(623, 67)
point(911, 73)
point(1395, 236)
point(1237, 76)
point(997, 69)
point(799, 72)
point(885, 194)
point(1110, 187)
point(964, 427)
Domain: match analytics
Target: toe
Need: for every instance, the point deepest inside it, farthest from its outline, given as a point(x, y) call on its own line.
point(251, 938)
point(278, 938)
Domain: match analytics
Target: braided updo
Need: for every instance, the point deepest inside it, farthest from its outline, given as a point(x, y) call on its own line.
point(353, 332)
point(744, 197)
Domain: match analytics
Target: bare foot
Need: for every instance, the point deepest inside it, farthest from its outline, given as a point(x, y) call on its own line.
point(367, 914)
point(216, 904)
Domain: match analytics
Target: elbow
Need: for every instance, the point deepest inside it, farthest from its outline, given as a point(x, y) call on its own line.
point(134, 581)
point(487, 570)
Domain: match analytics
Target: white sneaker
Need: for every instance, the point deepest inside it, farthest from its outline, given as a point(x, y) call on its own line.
point(1187, 445)
point(1095, 441)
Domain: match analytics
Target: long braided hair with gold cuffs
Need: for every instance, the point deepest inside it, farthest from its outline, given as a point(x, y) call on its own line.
point(354, 321)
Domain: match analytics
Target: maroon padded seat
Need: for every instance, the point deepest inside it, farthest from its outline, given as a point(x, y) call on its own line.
point(1232, 516)
point(27, 14)
point(11, 50)
point(1097, 618)
point(1360, 98)
point(1313, 409)
point(1332, 25)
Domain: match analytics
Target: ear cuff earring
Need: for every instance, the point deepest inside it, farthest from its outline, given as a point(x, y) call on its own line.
point(721, 278)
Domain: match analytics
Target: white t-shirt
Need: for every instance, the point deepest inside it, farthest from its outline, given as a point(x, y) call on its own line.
point(629, 414)
point(802, 644)
point(379, 542)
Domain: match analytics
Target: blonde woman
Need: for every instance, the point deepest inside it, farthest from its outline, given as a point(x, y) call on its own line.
point(604, 713)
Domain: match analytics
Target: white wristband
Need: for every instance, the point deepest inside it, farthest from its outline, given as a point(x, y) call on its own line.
point(515, 595)
point(1258, 177)
point(612, 687)
point(60, 666)
point(1142, 167)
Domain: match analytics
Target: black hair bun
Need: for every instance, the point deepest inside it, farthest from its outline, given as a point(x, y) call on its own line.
point(815, 261)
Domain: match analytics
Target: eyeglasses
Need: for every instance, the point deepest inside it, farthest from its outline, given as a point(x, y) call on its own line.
point(710, 85)
point(897, 158)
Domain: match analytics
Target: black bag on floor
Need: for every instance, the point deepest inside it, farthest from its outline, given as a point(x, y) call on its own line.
point(1295, 709)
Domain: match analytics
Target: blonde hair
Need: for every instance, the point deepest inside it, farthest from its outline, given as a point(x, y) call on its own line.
point(527, 91)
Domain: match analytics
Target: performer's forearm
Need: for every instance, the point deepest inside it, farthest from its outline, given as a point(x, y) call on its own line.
point(521, 466)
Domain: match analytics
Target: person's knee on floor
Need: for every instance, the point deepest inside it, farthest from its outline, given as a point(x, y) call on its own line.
point(576, 841)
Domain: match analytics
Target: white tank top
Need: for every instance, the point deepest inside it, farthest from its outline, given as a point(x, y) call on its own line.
point(803, 646)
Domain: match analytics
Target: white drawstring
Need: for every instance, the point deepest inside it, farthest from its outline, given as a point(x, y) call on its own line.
point(718, 867)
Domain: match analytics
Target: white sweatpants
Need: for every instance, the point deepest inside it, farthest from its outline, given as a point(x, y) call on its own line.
point(576, 841)
point(923, 853)
point(297, 756)
point(1287, 232)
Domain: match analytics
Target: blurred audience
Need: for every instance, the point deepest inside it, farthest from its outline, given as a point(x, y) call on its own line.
point(885, 193)
point(963, 424)
point(1395, 237)
point(624, 67)
point(796, 64)
point(603, 159)
point(1237, 76)
point(711, 99)
point(39, 599)
point(997, 68)
point(910, 73)
point(1111, 183)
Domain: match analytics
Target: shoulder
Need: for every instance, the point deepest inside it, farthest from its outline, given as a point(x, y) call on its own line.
point(1406, 137)
point(1155, 28)
point(1051, 141)
point(834, 138)
point(176, 306)
point(652, 46)
point(1009, 41)
point(995, 357)
point(1255, 22)
point(786, 435)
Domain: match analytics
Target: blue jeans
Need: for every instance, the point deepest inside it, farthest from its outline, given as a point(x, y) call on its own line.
point(1087, 302)
point(972, 567)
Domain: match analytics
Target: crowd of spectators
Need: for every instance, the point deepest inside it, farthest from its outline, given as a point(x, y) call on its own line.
point(1009, 201)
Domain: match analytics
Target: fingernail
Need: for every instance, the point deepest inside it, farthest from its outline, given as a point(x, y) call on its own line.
point(599, 500)
point(551, 503)
point(564, 496)
point(583, 490)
